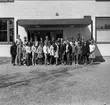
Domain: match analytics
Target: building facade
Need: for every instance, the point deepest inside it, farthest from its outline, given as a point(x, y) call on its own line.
point(90, 18)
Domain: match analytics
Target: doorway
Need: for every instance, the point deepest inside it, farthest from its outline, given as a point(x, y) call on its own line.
point(52, 34)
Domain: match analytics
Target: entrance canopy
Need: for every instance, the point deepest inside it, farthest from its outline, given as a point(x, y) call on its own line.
point(82, 22)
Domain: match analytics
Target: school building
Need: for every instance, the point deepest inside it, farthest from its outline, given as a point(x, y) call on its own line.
point(55, 18)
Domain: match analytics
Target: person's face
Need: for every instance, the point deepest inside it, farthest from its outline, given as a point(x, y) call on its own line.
point(79, 35)
point(46, 37)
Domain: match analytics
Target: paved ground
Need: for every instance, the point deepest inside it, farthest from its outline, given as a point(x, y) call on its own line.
point(55, 85)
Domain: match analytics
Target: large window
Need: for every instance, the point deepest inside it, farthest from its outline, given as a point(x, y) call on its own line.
point(6, 30)
point(103, 29)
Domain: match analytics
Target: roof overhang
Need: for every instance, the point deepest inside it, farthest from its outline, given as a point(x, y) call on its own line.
point(82, 22)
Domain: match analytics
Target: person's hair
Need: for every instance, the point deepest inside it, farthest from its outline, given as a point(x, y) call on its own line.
point(13, 42)
point(92, 41)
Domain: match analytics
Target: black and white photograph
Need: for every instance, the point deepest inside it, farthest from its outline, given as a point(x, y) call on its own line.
point(54, 52)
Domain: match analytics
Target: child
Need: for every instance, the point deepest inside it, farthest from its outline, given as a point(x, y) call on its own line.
point(84, 53)
point(62, 51)
point(24, 53)
point(19, 53)
point(73, 53)
point(92, 54)
point(28, 54)
point(76, 55)
point(46, 52)
point(52, 52)
point(40, 53)
point(13, 52)
point(34, 54)
point(79, 48)
point(56, 47)
point(68, 52)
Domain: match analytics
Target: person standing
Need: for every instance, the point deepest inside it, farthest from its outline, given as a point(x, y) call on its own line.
point(79, 48)
point(18, 41)
point(40, 53)
point(68, 53)
point(24, 53)
point(56, 47)
point(20, 53)
point(28, 54)
point(13, 52)
point(46, 52)
point(73, 53)
point(34, 54)
point(92, 52)
point(52, 53)
point(88, 51)
point(84, 53)
point(62, 51)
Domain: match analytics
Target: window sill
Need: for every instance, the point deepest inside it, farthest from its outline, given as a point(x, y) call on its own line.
point(102, 42)
point(5, 43)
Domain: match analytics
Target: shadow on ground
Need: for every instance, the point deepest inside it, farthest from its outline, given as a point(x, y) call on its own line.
point(18, 79)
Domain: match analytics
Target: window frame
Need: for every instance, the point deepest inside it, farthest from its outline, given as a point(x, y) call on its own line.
point(102, 0)
point(2, 1)
point(96, 40)
point(8, 36)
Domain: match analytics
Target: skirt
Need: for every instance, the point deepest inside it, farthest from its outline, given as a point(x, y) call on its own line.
point(92, 55)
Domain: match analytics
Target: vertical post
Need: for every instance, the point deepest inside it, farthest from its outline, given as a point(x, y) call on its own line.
point(8, 33)
point(16, 28)
point(91, 29)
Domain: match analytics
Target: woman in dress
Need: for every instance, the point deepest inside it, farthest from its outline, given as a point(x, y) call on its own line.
point(92, 54)
point(40, 53)
point(56, 48)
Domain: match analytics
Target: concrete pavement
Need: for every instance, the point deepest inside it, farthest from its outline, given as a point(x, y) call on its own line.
point(55, 85)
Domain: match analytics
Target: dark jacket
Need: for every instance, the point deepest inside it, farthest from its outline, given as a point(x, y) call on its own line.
point(85, 50)
point(62, 48)
point(69, 49)
point(13, 50)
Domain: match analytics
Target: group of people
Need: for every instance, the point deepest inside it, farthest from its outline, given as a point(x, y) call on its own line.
point(50, 52)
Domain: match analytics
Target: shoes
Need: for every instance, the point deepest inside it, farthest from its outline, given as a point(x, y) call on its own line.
point(14, 64)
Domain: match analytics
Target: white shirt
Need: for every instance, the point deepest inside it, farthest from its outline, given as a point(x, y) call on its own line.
point(28, 49)
point(36, 43)
point(46, 49)
point(71, 43)
point(17, 41)
point(91, 47)
point(76, 43)
point(67, 48)
point(33, 49)
point(52, 52)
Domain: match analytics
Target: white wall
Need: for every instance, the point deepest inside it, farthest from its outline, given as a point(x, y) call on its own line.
point(22, 32)
point(47, 10)
point(5, 50)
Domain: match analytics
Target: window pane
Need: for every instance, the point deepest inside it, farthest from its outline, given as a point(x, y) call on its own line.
point(103, 29)
point(11, 33)
point(103, 23)
point(3, 36)
point(6, 30)
point(3, 24)
point(11, 29)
